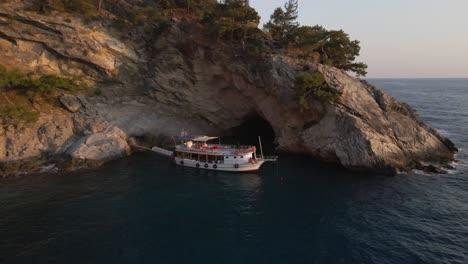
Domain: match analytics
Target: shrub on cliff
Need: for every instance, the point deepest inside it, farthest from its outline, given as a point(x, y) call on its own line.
point(45, 84)
point(19, 111)
point(150, 17)
point(12, 79)
point(16, 115)
point(189, 5)
point(314, 84)
point(139, 16)
point(231, 21)
point(86, 8)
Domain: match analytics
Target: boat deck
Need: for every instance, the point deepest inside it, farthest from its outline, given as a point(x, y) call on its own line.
point(216, 149)
point(270, 158)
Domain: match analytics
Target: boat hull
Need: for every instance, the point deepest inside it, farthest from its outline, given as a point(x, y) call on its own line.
point(242, 167)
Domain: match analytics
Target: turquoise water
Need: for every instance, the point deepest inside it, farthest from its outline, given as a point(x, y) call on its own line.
point(143, 209)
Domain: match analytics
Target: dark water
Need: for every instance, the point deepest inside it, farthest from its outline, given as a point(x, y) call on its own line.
point(145, 210)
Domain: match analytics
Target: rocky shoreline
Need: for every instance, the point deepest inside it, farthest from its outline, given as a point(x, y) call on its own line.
point(177, 80)
point(61, 140)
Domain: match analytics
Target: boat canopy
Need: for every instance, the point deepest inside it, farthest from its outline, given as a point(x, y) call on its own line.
point(203, 138)
point(195, 138)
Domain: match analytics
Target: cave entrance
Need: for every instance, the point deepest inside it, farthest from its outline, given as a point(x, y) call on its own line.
point(247, 134)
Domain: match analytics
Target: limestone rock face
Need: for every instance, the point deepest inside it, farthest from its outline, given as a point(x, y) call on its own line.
point(367, 128)
point(59, 44)
point(60, 135)
point(179, 79)
point(106, 145)
point(52, 134)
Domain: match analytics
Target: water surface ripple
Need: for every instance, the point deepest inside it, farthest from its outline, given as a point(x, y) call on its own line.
point(144, 210)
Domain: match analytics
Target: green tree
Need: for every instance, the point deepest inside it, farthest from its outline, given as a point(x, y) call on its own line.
point(340, 51)
point(283, 23)
point(231, 21)
point(12, 79)
point(335, 47)
point(276, 24)
point(242, 2)
point(310, 39)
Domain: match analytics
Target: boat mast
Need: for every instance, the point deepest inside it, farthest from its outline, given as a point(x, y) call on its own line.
point(261, 149)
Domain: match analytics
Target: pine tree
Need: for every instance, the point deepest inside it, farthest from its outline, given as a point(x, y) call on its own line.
point(290, 16)
point(241, 2)
point(283, 23)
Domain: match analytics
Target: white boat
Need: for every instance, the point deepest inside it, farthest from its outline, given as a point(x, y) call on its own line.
point(196, 152)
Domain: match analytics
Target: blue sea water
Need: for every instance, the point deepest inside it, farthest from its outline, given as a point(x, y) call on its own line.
point(143, 209)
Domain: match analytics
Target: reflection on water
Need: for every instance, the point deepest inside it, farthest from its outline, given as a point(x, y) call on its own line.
point(145, 209)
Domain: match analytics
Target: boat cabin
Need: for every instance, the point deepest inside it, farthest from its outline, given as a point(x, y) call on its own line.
point(216, 158)
point(196, 152)
point(196, 148)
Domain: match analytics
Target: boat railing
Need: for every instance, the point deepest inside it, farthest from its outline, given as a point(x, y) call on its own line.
point(235, 146)
point(216, 147)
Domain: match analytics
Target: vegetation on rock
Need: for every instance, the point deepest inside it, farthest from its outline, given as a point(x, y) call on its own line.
point(86, 8)
point(283, 25)
point(16, 112)
point(12, 79)
point(233, 21)
point(314, 84)
point(230, 20)
point(334, 46)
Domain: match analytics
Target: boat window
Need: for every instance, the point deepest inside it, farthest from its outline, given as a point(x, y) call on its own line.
point(235, 157)
point(227, 157)
point(242, 157)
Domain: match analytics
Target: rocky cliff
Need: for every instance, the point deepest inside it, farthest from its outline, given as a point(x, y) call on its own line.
point(160, 84)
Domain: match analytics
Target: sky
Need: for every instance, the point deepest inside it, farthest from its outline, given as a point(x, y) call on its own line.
point(399, 38)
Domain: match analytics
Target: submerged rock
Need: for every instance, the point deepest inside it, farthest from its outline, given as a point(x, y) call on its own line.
point(434, 169)
point(449, 167)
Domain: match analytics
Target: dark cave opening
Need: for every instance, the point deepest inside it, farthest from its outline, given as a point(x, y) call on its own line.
point(247, 134)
